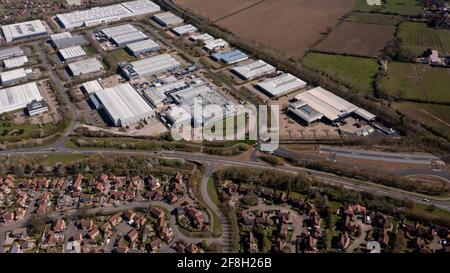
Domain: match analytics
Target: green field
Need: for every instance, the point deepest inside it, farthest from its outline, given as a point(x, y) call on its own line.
point(418, 37)
point(421, 82)
point(403, 7)
point(374, 18)
point(17, 132)
point(361, 5)
point(353, 71)
point(63, 158)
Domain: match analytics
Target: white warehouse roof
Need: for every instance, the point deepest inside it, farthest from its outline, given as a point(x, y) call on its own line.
point(16, 74)
point(154, 65)
point(23, 30)
point(143, 46)
point(15, 62)
point(201, 37)
point(85, 66)
point(129, 38)
point(124, 105)
point(118, 30)
point(281, 85)
point(72, 52)
point(92, 86)
point(254, 70)
point(184, 29)
point(18, 97)
point(167, 19)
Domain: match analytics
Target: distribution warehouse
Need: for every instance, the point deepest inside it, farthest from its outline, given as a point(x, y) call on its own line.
point(72, 52)
point(11, 52)
point(101, 15)
point(184, 29)
point(167, 19)
point(316, 103)
point(15, 62)
point(281, 85)
point(138, 48)
point(18, 97)
point(15, 75)
point(253, 70)
point(123, 34)
point(85, 67)
point(123, 105)
point(23, 30)
point(230, 57)
point(149, 66)
point(66, 39)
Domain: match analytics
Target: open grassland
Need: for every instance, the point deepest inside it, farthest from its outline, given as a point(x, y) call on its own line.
point(357, 39)
point(361, 5)
point(356, 72)
point(290, 26)
point(418, 37)
point(417, 82)
point(374, 18)
point(401, 7)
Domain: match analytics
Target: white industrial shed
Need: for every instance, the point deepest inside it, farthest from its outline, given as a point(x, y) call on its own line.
point(23, 30)
point(84, 67)
point(101, 15)
point(149, 66)
point(167, 19)
point(11, 52)
point(281, 85)
point(178, 116)
point(131, 37)
point(253, 70)
point(18, 97)
point(124, 105)
point(15, 75)
point(138, 48)
point(184, 29)
point(91, 87)
point(15, 62)
point(123, 34)
point(71, 53)
point(111, 32)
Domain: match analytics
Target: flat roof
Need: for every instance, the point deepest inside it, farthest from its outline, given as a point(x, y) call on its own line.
point(17, 97)
point(281, 84)
point(23, 30)
point(118, 30)
point(69, 41)
point(254, 69)
point(168, 19)
point(215, 43)
point(62, 35)
point(10, 52)
point(15, 62)
point(92, 86)
point(143, 46)
point(201, 37)
point(85, 66)
point(154, 65)
point(72, 52)
point(15, 74)
point(129, 38)
point(184, 29)
point(229, 57)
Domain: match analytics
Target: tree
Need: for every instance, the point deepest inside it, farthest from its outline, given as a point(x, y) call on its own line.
point(36, 225)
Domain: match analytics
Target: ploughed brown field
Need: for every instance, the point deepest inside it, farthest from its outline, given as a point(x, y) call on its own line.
point(291, 26)
point(357, 39)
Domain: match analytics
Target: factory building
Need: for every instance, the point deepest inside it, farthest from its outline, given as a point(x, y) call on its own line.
point(149, 66)
point(230, 57)
point(11, 52)
point(84, 67)
point(177, 116)
point(66, 39)
point(36, 107)
point(204, 37)
point(184, 29)
point(123, 34)
point(314, 104)
point(15, 75)
point(281, 85)
point(15, 62)
point(138, 48)
point(17, 97)
point(91, 87)
point(253, 70)
point(74, 52)
point(101, 15)
point(155, 97)
point(123, 105)
point(111, 32)
point(215, 44)
point(23, 30)
point(167, 19)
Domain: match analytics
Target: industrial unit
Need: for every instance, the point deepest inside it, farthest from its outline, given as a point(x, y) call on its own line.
point(91, 87)
point(155, 97)
point(101, 15)
point(23, 30)
point(11, 52)
point(230, 57)
point(215, 44)
point(317, 103)
point(15, 62)
point(149, 66)
point(138, 48)
point(123, 105)
point(131, 37)
point(281, 85)
point(84, 67)
point(204, 37)
point(123, 34)
point(184, 29)
point(18, 97)
point(253, 70)
point(15, 75)
point(167, 19)
point(66, 39)
point(36, 107)
point(73, 52)
point(177, 116)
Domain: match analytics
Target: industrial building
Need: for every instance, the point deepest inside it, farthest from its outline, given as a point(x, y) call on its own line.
point(215, 44)
point(36, 107)
point(253, 70)
point(317, 103)
point(123, 34)
point(138, 48)
point(281, 85)
point(10, 53)
point(111, 32)
point(184, 29)
point(73, 52)
point(17, 97)
point(102, 15)
point(123, 105)
point(230, 57)
point(167, 19)
point(149, 66)
point(204, 37)
point(155, 97)
point(15, 75)
point(15, 62)
point(23, 30)
point(177, 116)
point(66, 39)
point(84, 67)
point(91, 87)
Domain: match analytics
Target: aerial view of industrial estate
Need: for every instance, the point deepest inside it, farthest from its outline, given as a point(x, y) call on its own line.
point(213, 126)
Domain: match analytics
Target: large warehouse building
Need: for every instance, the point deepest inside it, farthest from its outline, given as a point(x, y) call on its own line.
point(317, 103)
point(138, 48)
point(167, 19)
point(281, 85)
point(184, 29)
point(253, 70)
point(11, 52)
point(15, 62)
point(101, 15)
point(23, 30)
point(123, 105)
point(17, 97)
point(15, 75)
point(230, 57)
point(72, 52)
point(85, 67)
point(123, 34)
point(149, 66)
point(66, 39)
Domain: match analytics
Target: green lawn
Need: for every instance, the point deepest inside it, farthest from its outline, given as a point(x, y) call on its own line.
point(374, 18)
point(90, 50)
point(62, 158)
point(411, 81)
point(418, 37)
point(16, 132)
point(353, 71)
